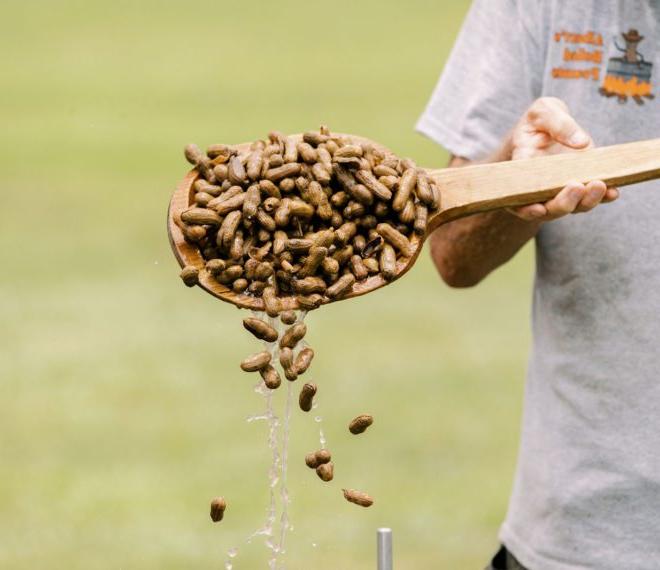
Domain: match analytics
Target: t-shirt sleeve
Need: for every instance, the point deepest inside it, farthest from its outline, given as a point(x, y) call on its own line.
point(493, 74)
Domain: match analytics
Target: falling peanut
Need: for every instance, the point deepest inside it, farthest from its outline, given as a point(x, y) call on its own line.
point(271, 377)
point(357, 497)
point(218, 507)
point(306, 399)
point(256, 362)
point(293, 335)
point(260, 329)
point(287, 363)
point(303, 360)
point(316, 458)
point(360, 424)
point(326, 471)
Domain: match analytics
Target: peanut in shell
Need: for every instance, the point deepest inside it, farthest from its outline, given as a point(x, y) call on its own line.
point(360, 424)
point(326, 471)
point(218, 507)
point(357, 497)
point(306, 398)
point(260, 329)
point(293, 335)
point(395, 238)
point(303, 360)
point(189, 275)
point(271, 377)
point(288, 317)
point(341, 287)
point(256, 362)
point(316, 458)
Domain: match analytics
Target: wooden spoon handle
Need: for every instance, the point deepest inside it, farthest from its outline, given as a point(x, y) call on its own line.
point(486, 187)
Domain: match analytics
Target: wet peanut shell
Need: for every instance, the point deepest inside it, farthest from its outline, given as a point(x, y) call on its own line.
point(306, 398)
point(357, 497)
point(395, 238)
point(303, 360)
point(218, 507)
point(271, 377)
point(260, 329)
point(316, 458)
point(200, 216)
point(189, 275)
point(288, 317)
point(341, 287)
point(256, 362)
point(287, 363)
point(360, 424)
point(326, 471)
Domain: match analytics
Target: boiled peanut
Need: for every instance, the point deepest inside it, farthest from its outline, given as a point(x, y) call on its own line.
point(316, 458)
point(395, 238)
point(218, 507)
point(377, 188)
point(421, 219)
point(189, 275)
point(303, 360)
point(357, 497)
point(360, 423)
point(287, 363)
point(271, 302)
point(313, 261)
point(236, 171)
point(388, 262)
point(342, 287)
point(215, 266)
point(306, 398)
point(270, 377)
point(288, 317)
point(359, 269)
point(309, 302)
point(326, 471)
point(260, 329)
point(406, 185)
point(423, 191)
point(201, 216)
point(293, 335)
point(256, 362)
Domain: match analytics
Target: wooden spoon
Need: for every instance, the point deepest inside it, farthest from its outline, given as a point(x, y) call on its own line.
point(464, 191)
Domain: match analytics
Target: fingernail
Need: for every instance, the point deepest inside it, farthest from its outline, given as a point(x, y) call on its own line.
point(579, 138)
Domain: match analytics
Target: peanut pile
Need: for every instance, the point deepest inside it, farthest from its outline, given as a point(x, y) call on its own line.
point(309, 218)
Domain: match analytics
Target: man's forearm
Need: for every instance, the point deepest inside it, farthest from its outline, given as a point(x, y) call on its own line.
point(466, 250)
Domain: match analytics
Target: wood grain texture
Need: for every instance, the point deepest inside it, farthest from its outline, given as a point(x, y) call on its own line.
point(464, 191)
point(484, 187)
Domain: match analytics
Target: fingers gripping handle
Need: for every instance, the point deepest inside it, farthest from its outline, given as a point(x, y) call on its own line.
point(486, 187)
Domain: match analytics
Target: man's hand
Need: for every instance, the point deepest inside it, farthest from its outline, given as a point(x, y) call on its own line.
point(548, 128)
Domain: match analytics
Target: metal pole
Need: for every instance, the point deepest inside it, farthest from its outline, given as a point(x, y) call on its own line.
point(385, 549)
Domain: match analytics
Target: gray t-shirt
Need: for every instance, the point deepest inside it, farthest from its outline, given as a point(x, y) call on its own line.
point(587, 487)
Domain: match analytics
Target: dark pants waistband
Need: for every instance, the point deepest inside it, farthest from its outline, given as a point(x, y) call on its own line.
point(504, 560)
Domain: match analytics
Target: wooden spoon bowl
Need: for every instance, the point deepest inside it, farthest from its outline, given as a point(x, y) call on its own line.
point(464, 191)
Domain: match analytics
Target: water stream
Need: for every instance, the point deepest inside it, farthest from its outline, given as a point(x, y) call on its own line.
point(279, 431)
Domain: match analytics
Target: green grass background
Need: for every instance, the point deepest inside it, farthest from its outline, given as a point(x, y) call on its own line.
point(123, 408)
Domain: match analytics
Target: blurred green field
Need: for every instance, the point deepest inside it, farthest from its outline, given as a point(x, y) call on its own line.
point(123, 408)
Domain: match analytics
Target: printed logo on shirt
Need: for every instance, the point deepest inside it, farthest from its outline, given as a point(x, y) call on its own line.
point(626, 76)
point(629, 75)
point(580, 49)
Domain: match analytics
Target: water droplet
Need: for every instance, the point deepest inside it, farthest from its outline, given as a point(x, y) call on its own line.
point(318, 419)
